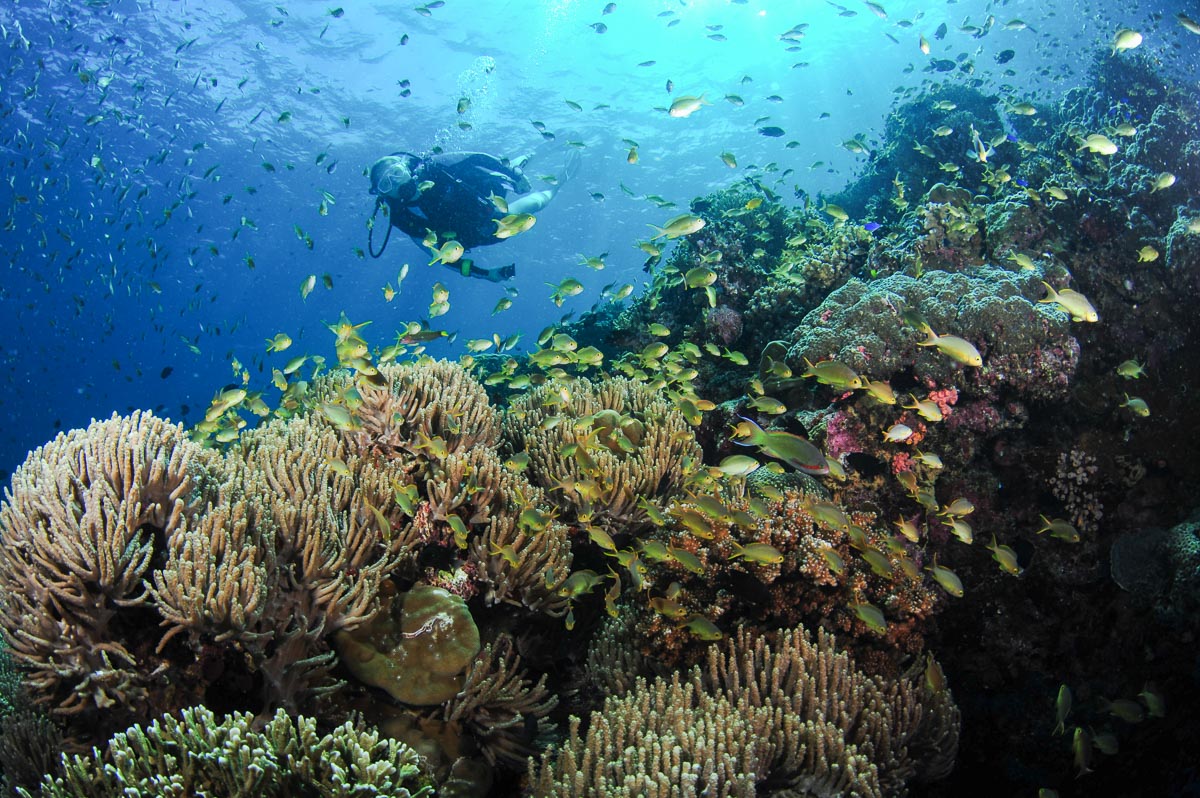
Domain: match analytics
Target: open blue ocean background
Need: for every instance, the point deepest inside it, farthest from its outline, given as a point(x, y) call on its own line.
point(164, 162)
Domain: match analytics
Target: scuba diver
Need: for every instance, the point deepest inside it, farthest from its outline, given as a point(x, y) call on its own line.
point(458, 198)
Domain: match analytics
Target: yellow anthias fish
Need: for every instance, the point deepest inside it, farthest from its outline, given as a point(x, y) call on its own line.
point(449, 253)
point(514, 223)
point(1022, 260)
point(761, 553)
point(1072, 302)
point(681, 225)
point(833, 373)
point(953, 347)
point(1163, 180)
point(1099, 144)
point(1136, 405)
point(1126, 39)
point(685, 105)
point(279, 343)
point(948, 580)
point(1130, 369)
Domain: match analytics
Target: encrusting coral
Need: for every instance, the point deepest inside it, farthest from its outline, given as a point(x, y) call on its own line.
point(417, 649)
point(197, 754)
point(789, 714)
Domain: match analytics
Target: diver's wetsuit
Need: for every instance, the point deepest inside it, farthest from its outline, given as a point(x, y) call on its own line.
point(457, 203)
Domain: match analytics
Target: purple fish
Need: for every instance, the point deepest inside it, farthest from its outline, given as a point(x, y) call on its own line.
point(871, 227)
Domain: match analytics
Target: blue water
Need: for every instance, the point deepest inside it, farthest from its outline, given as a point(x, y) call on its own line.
point(136, 138)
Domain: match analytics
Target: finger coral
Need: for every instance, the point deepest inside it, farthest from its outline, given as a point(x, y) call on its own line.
point(421, 402)
point(791, 712)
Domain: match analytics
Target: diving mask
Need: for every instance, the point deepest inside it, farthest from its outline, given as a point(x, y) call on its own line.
point(391, 178)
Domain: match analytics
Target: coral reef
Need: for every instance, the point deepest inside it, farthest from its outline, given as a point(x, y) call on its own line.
point(503, 710)
point(824, 571)
point(1027, 347)
point(30, 748)
point(1161, 569)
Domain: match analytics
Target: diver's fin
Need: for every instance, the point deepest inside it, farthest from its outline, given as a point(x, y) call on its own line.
point(574, 160)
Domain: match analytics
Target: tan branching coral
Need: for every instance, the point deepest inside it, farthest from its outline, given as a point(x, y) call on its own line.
point(864, 716)
point(335, 519)
point(421, 402)
point(613, 656)
point(663, 739)
point(794, 713)
point(502, 709)
point(475, 485)
point(109, 532)
point(78, 525)
point(599, 448)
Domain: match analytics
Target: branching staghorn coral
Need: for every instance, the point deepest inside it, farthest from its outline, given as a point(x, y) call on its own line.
point(663, 739)
point(613, 657)
point(108, 533)
point(503, 710)
point(197, 754)
point(219, 570)
point(336, 518)
point(813, 680)
point(598, 448)
point(796, 716)
point(432, 421)
point(30, 748)
point(78, 525)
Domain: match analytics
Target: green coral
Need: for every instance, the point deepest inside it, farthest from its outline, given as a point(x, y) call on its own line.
point(197, 755)
point(417, 648)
